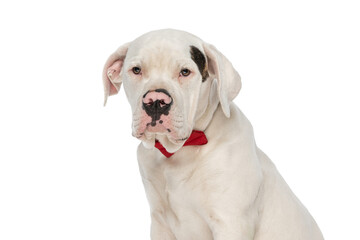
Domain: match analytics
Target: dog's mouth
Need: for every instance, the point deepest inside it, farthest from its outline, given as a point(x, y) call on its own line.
point(160, 132)
point(171, 143)
point(157, 131)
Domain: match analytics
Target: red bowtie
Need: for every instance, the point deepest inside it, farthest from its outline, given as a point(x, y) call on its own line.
point(196, 138)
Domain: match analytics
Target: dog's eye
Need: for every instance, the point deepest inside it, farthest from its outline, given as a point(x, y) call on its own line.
point(185, 72)
point(136, 70)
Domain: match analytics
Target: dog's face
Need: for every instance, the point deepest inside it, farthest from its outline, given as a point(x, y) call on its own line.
point(168, 78)
point(162, 81)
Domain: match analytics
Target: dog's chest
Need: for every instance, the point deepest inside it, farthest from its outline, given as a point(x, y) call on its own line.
point(176, 195)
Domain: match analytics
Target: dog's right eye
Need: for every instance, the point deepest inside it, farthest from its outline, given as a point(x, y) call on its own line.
point(185, 72)
point(136, 70)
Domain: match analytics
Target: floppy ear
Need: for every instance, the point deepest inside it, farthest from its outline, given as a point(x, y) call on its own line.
point(228, 79)
point(112, 69)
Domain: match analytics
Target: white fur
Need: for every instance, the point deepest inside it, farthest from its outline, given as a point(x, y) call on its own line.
point(227, 189)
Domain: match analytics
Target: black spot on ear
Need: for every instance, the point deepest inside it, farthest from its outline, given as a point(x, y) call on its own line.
point(199, 58)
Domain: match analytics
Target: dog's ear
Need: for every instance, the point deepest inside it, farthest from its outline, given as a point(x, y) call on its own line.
point(112, 69)
point(228, 79)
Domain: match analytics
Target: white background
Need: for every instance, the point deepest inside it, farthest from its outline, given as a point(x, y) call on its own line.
point(68, 166)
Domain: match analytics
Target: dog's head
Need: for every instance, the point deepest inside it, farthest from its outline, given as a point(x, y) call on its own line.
point(171, 79)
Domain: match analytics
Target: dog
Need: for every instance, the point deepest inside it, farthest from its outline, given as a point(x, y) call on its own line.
point(203, 174)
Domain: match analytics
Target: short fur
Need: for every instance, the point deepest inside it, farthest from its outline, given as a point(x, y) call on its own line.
point(227, 189)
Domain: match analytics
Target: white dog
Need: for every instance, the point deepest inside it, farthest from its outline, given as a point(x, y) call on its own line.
point(204, 176)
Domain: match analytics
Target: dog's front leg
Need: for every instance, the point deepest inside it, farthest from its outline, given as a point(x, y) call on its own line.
point(153, 183)
point(231, 208)
point(159, 227)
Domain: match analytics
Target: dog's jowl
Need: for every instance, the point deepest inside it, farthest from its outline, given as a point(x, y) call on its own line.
point(204, 176)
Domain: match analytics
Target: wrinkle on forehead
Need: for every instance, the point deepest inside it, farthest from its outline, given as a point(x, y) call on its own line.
point(161, 54)
point(166, 52)
point(163, 42)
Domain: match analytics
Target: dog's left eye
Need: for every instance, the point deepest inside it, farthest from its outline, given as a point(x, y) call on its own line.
point(185, 72)
point(136, 70)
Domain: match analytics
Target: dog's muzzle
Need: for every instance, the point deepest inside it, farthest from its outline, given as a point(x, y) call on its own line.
point(156, 103)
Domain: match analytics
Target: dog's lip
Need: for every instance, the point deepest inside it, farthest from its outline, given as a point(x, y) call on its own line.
point(142, 136)
point(181, 139)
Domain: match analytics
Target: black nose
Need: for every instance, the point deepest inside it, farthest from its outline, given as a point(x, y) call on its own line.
point(156, 103)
